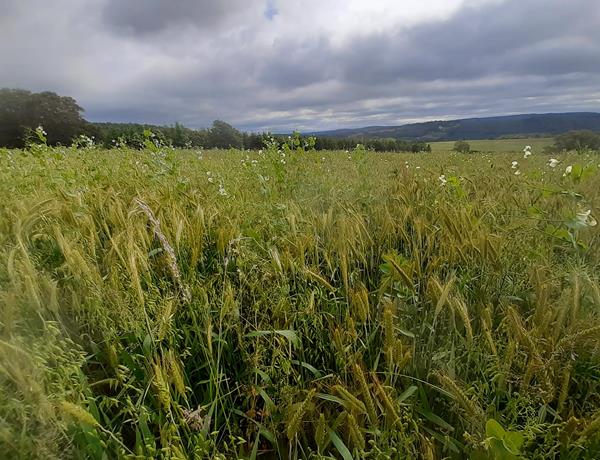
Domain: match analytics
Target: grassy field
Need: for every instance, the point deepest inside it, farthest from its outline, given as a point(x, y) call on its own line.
point(498, 145)
point(290, 304)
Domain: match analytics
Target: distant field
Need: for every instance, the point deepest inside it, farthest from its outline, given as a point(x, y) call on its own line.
point(497, 145)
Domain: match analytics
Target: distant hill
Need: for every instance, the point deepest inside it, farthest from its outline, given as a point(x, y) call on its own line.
point(546, 124)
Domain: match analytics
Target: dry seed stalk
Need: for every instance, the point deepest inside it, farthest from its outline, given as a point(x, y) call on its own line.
point(573, 339)
point(387, 402)
point(176, 372)
point(487, 329)
point(321, 431)
point(167, 248)
point(78, 413)
point(360, 302)
point(162, 388)
point(427, 448)
point(564, 389)
point(295, 423)
point(468, 405)
point(461, 308)
point(354, 432)
point(355, 404)
point(362, 382)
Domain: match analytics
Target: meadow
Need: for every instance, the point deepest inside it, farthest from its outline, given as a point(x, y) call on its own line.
point(497, 145)
point(289, 304)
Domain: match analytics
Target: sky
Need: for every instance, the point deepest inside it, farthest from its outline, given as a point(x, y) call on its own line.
point(279, 65)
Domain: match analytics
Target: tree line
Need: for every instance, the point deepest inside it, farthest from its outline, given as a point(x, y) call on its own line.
point(580, 140)
point(22, 111)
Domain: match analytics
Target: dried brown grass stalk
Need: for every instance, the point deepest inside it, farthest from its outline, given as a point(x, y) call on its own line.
point(170, 252)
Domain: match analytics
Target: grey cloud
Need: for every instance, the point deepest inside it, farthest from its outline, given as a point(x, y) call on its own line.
point(145, 17)
point(290, 64)
point(215, 59)
point(480, 41)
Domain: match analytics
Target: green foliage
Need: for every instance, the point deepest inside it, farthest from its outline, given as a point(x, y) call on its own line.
point(21, 112)
point(502, 444)
point(163, 303)
point(579, 141)
point(223, 135)
point(461, 147)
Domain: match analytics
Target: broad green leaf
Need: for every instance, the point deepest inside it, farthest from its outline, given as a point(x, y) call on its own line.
point(435, 419)
point(268, 401)
point(411, 390)
point(312, 369)
point(494, 430)
point(287, 333)
point(331, 398)
point(513, 440)
point(340, 446)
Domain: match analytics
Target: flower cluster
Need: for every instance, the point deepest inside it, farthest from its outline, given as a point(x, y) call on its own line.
point(515, 165)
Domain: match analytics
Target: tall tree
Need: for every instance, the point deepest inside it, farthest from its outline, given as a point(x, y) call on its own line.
point(21, 110)
point(223, 135)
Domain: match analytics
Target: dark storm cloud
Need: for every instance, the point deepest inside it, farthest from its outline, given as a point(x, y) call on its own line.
point(144, 17)
point(264, 65)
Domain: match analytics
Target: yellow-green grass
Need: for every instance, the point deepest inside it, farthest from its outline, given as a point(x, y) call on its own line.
point(227, 304)
point(498, 145)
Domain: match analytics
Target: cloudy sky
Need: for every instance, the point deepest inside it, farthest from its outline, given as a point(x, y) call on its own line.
point(307, 64)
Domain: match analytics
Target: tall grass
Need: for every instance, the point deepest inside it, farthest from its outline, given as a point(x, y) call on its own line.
point(230, 304)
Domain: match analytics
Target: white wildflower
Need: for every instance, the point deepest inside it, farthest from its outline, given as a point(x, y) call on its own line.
point(568, 170)
point(553, 162)
point(442, 179)
point(514, 164)
point(585, 219)
point(517, 173)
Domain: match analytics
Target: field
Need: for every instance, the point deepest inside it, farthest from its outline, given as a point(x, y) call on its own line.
point(497, 145)
point(290, 304)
